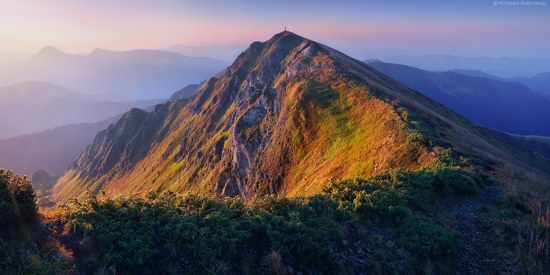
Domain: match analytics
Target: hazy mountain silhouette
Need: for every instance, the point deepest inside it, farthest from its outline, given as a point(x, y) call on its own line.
point(539, 82)
point(52, 150)
point(136, 74)
point(503, 105)
point(505, 67)
point(34, 106)
point(222, 52)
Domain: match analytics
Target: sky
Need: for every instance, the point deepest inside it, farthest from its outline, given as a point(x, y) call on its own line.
point(363, 29)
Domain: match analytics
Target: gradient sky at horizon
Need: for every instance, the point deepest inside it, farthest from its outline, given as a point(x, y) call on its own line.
point(363, 29)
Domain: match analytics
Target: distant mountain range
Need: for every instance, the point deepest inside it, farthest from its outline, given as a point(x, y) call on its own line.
point(222, 52)
point(52, 150)
point(504, 67)
point(136, 74)
point(539, 82)
point(476, 73)
point(285, 118)
point(30, 107)
point(500, 104)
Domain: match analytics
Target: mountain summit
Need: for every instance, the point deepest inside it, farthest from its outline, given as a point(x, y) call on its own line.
point(50, 52)
point(286, 117)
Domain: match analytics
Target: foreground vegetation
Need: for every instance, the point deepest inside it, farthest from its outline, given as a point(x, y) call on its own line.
point(186, 233)
point(22, 249)
point(396, 217)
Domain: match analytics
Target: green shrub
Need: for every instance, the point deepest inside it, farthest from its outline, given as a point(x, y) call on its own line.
point(174, 233)
point(377, 199)
point(17, 200)
point(20, 252)
point(427, 239)
point(397, 197)
point(419, 131)
point(7, 207)
point(157, 231)
point(390, 195)
point(299, 227)
point(456, 181)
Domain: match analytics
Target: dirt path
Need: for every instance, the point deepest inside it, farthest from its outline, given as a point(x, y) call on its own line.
point(479, 250)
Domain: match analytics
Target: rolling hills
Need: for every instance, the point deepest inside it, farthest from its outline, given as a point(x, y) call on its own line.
point(285, 118)
point(539, 82)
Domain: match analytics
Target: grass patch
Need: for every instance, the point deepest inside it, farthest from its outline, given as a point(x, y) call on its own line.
point(420, 131)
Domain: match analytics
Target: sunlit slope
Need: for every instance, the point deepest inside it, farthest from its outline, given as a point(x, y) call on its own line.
point(285, 118)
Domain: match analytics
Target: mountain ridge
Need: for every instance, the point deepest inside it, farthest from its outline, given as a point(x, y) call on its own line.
point(499, 104)
point(285, 118)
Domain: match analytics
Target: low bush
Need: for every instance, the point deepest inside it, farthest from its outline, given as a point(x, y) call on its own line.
point(167, 231)
point(17, 200)
point(395, 197)
point(21, 249)
point(428, 240)
point(394, 194)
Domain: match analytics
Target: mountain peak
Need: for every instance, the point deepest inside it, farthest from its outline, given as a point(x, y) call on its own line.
point(284, 51)
point(287, 37)
point(50, 51)
point(98, 51)
point(373, 60)
point(282, 40)
point(287, 34)
point(264, 127)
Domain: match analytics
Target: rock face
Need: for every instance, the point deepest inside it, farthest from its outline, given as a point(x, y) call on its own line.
point(285, 118)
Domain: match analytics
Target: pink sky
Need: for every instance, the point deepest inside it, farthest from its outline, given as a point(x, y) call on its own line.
point(467, 28)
